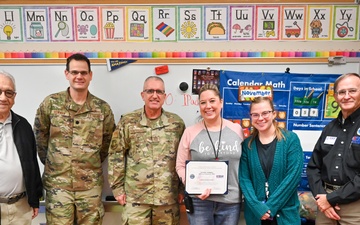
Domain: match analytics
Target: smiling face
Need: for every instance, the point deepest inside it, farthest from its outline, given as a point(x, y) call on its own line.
point(78, 75)
point(153, 95)
point(262, 115)
point(347, 94)
point(6, 103)
point(210, 105)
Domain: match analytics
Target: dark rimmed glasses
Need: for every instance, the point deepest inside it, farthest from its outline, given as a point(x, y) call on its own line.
point(8, 93)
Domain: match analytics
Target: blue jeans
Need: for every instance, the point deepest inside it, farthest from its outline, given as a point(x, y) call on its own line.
point(214, 213)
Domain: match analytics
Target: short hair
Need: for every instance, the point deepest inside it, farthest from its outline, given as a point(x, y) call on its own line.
point(8, 75)
point(155, 78)
point(210, 87)
point(77, 57)
point(343, 77)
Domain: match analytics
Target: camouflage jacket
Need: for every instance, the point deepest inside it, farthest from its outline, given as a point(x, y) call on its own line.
point(142, 158)
point(73, 140)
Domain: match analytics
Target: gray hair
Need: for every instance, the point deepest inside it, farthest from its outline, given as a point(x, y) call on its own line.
point(343, 77)
point(154, 78)
point(8, 75)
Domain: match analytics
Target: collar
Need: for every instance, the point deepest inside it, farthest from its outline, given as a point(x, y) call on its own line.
point(162, 121)
point(71, 105)
point(8, 119)
point(354, 117)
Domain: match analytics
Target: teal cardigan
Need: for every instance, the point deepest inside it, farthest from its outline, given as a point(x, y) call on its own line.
point(283, 181)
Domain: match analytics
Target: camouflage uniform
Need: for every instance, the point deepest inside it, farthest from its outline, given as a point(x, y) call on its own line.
point(142, 159)
point(72, 142)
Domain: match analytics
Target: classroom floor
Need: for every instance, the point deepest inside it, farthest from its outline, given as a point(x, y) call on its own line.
point(113, 218)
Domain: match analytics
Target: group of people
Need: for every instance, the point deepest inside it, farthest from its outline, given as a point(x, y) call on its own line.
point(148, 151)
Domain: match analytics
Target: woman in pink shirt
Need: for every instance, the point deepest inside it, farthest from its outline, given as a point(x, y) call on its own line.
point(211, 139)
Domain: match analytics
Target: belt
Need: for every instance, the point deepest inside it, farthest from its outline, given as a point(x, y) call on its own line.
point(13, 198)
point(331, 186)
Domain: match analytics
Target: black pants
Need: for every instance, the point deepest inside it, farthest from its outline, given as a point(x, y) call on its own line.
point(269, 222)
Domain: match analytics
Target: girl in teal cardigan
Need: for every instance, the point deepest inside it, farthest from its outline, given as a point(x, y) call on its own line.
point(271, 157)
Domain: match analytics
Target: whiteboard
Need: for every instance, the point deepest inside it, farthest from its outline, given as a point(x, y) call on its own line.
point(121, 88)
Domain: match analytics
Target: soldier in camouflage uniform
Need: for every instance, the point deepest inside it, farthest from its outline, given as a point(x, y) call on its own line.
point(142, 159)
point(73, 131)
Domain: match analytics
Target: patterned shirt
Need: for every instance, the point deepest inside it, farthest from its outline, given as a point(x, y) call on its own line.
point(73, 140)
point(142, 158)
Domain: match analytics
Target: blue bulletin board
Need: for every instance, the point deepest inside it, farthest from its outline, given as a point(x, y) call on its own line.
point(304, 103)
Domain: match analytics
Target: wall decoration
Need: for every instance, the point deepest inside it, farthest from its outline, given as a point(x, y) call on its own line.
point(190, 23)
point(11, 24)
point(112, 23)
point(35, 23)
point(61, 24)
point(346, 20)
point(87, 23)
point(241, 23)
point(267, 22)
point(216, 23)
point(138, 23)
point(319, 22)
point(293, 22)
point(164, 23)
point(204, 76)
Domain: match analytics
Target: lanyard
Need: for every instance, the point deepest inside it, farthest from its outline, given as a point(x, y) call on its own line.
point(266, 191)
point(216, 151)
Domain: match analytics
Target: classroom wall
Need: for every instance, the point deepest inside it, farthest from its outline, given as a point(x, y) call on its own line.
point(121, 89)
point(188, 46)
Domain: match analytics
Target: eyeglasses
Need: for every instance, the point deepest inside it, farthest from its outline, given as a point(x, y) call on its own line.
point(151, 91)
point(8, 93)
point(351, 91)
point(75, 72)
point(264, 114)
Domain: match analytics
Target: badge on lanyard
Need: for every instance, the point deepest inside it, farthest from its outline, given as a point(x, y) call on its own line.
point(330, 140)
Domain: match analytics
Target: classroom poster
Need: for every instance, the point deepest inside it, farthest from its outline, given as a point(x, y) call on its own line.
point(190, 23)
point(267, 22)
point(112, 23)
point(138, 26)
point(345, 25)
point(35, 24)
point(200, 77)
point(164, 23)
point(241, 23)
point(61, 24)
point(216, 23)
point(304, 102)
point(11, 24)
point(293, 22)
point(87, 23)
point(319, 22)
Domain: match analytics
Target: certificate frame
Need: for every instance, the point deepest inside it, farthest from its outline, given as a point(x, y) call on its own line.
point(200, 175)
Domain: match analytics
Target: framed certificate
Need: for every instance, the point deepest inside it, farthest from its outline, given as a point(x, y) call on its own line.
point(201, 175)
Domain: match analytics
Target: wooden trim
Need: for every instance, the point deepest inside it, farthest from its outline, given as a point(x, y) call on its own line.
point(164, 2)
point(177, 61)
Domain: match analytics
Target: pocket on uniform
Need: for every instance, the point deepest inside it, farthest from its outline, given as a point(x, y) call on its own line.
point(353, 159)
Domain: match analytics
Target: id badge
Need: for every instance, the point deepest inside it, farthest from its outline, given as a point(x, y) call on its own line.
point(330, 140)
